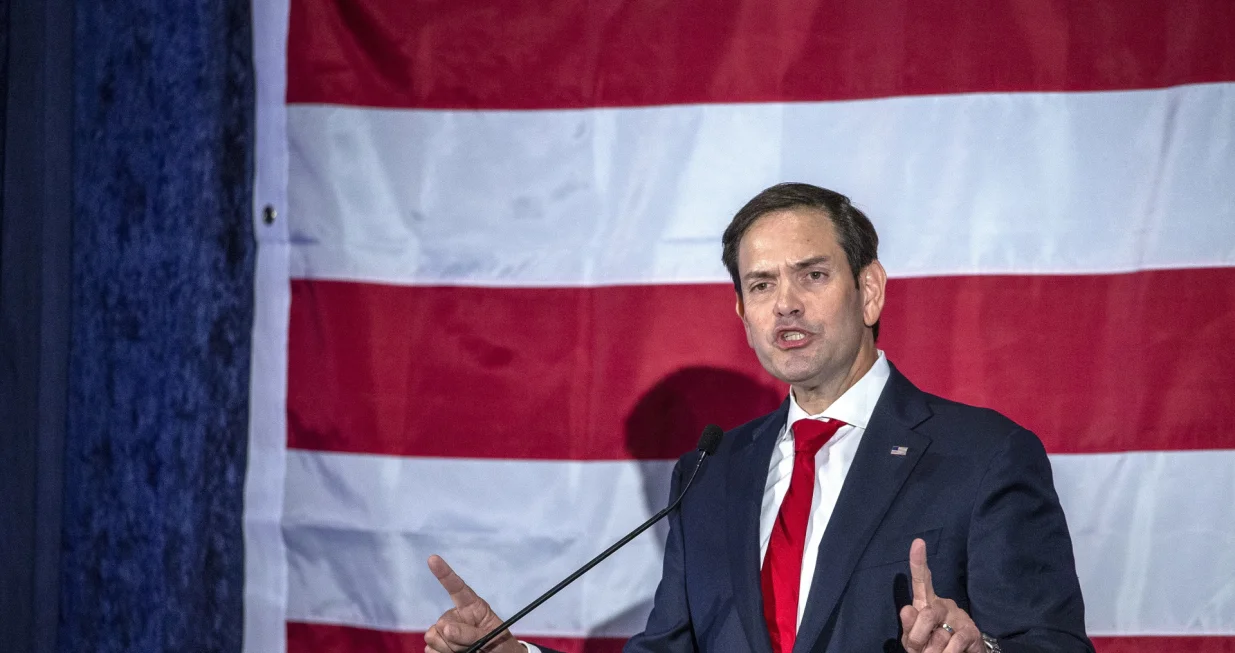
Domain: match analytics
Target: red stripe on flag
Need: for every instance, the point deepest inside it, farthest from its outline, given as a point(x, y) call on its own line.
point(1174, 644)
point(529, 54)
point(322, 638)
point(1100, 363)
point(562, 373)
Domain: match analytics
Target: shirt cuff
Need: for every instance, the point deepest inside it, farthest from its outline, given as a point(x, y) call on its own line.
point(531, 648)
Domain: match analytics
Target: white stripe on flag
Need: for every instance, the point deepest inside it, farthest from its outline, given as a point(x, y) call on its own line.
point(1023, 183)
point(1150, 539)
point(360, 528)
point(1154, 538)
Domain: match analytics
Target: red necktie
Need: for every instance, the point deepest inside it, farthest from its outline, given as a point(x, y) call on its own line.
point(782, 564)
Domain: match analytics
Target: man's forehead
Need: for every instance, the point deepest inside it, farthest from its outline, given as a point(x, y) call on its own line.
point(798, 232)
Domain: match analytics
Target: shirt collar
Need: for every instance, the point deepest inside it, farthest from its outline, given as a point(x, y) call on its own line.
point(857, 404)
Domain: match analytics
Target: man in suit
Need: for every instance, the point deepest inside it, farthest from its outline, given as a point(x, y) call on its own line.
point(842, 520)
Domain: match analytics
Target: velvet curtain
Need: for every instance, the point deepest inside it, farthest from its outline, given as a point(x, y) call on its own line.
point(162, 307)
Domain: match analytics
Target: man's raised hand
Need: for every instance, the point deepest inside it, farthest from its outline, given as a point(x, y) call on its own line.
point(468, 621)
point(932, 624)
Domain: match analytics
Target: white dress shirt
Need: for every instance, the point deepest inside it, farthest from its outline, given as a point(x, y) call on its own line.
point(854, 408)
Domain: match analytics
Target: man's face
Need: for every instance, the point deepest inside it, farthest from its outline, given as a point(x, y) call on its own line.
point(804, 316)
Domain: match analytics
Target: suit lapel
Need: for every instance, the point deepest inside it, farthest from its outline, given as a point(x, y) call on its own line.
point(748, 473)
point(873, 481)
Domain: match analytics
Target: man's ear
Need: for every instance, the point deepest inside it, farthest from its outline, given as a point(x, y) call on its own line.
point(740, 309)
point(872, 281)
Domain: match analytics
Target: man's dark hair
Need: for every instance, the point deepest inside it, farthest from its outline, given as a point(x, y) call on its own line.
point(853, 229)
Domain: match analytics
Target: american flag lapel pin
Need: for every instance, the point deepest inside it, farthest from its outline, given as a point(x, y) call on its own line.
point(900, 451)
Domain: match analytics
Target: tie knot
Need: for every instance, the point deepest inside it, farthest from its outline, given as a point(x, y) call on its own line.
point(809, 435)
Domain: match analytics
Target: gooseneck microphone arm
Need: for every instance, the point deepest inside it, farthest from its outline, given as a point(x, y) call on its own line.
point(708, 442)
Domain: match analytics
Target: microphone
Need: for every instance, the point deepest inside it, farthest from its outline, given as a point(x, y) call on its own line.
point(708, 443)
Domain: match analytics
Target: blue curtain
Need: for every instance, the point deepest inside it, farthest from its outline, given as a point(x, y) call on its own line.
point(162, 310)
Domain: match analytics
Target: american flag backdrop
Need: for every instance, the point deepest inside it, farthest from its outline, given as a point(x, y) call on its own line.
point(491, 309)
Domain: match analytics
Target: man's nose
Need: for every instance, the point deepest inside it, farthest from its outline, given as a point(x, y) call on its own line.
point(788, 302)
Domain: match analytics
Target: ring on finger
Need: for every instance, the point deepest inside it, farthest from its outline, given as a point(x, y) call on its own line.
point(948, 628)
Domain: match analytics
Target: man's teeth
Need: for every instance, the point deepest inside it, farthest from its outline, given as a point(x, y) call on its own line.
point(794, 335)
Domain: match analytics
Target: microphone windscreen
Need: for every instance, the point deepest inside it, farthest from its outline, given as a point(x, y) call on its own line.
point(710, 440)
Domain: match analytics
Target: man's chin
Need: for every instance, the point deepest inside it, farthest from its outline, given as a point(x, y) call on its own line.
point(794, 367)
point(795, 374)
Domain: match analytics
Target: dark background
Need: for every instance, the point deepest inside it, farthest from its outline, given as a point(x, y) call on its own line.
point(126, 266)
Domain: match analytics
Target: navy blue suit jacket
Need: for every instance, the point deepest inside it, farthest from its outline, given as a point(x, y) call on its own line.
point(974, 485)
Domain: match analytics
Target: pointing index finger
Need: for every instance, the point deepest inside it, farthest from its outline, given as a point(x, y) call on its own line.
point(460, 594)
point(923, 591)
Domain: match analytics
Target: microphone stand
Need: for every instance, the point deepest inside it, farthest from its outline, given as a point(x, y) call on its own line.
point(505, 625)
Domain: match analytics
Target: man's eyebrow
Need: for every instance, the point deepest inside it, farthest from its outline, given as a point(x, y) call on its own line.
point(758, 274)
point(800, 265)
point(812, 261)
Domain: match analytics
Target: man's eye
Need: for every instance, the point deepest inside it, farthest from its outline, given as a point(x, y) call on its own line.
point(759, 287)
point(818, 274)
